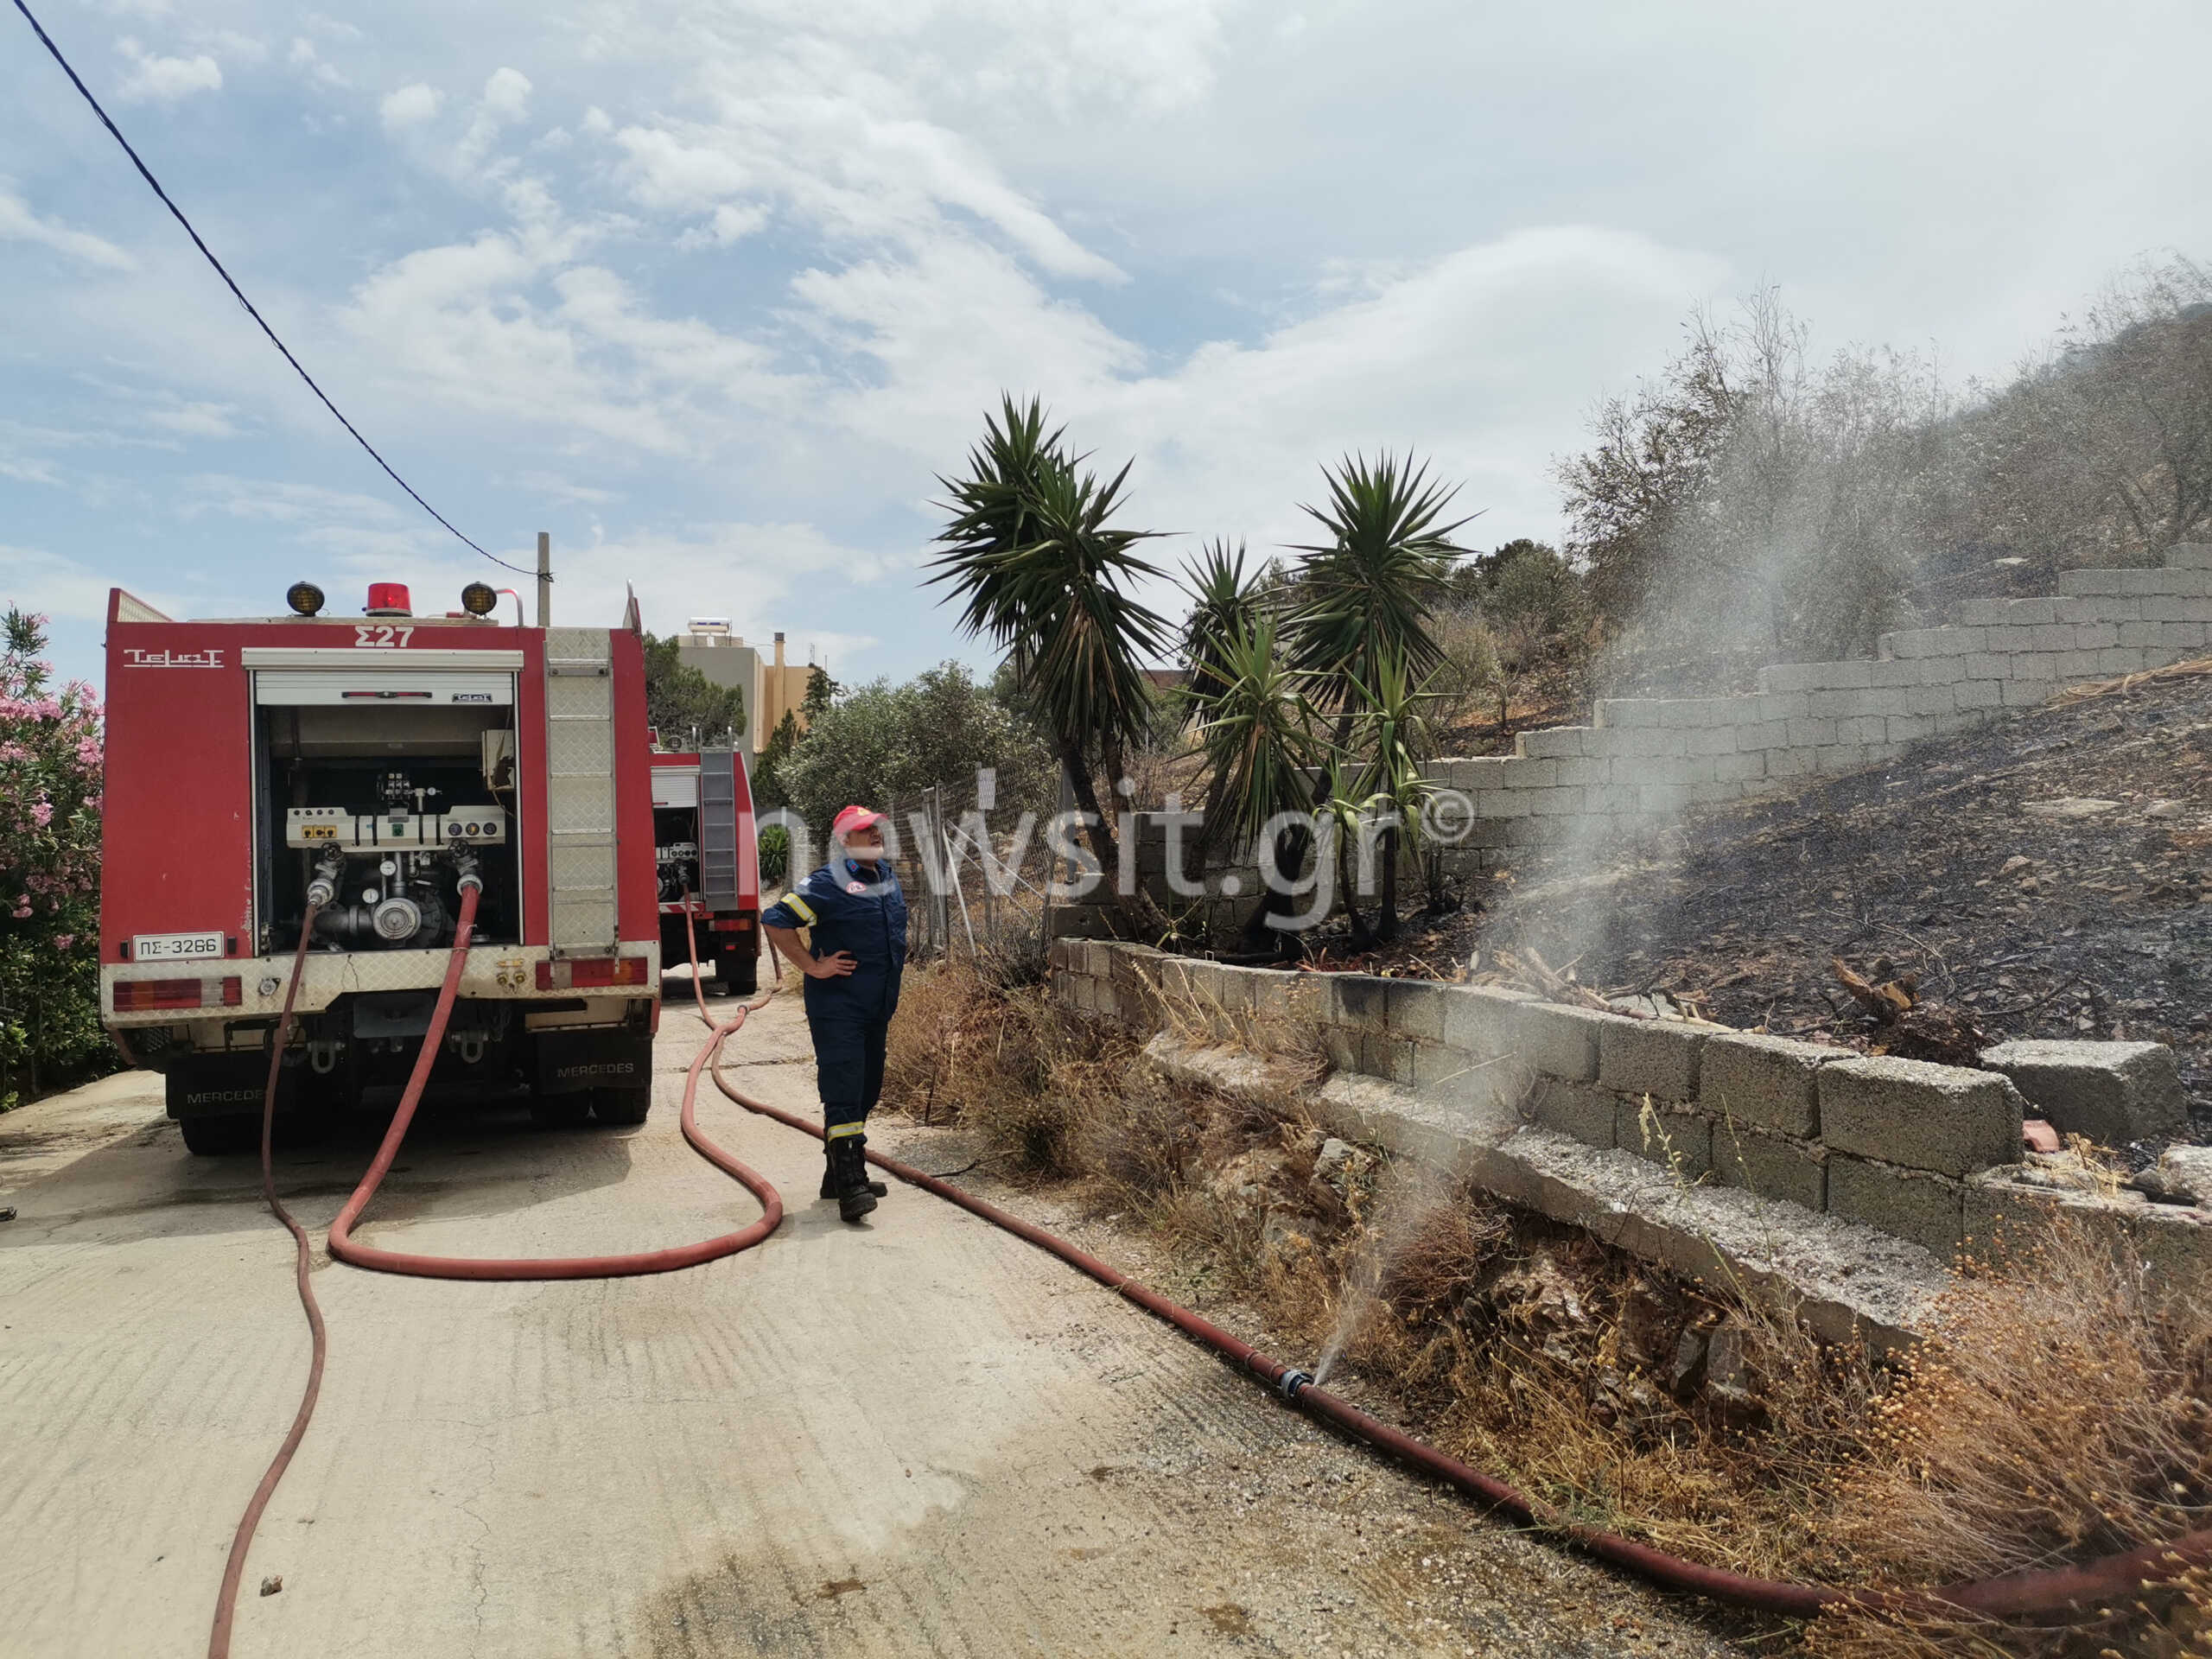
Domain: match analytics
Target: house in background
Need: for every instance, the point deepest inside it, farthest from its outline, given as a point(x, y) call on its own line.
point(772, 688)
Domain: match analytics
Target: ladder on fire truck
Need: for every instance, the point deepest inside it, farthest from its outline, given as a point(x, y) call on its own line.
point(579, 790)
point(718, 828)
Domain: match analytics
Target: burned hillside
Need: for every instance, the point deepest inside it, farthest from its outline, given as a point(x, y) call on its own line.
point(2047, 877)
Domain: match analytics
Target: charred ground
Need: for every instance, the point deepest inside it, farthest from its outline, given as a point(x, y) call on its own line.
point(2048, 877)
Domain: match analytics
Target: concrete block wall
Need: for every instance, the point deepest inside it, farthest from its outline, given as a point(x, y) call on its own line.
point(1912, 1149)
point(1645, 760)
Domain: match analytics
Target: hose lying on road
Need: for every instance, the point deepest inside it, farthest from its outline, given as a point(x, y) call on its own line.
point(345, 1248)
point(2056, 1591)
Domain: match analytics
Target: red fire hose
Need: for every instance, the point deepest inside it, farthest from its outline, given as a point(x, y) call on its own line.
point(2051, 1592)
point(345, 1249)
point(343, 1246)
point(2041, 1593)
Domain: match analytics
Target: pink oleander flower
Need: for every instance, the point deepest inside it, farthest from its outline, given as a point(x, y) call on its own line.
point(23, 911)
point(42, 813)
point(63, 941)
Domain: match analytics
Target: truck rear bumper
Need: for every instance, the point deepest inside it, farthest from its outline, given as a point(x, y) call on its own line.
point(499, 973)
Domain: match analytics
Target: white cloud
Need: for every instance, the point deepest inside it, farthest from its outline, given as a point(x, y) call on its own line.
point(196, 420)
point(728, 224)
point(411, 105)
point(52, 584)
point(506, 94)
point(19, 223)
point(246, 48)
point(164, 80)
point(553, 487)
point(506, 101)
point(304, 57)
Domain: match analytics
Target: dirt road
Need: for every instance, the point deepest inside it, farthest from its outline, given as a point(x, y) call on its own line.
point(917, 1437)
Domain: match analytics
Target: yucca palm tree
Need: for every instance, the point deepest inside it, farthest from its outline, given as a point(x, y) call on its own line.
point(1225, 600)
point(1225, 603)
point(1392, 736)
point(1257, 729)
point(1041, 572)
point(1365, 591)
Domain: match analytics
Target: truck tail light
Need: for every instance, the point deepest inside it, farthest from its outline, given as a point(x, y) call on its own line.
point(731, 924)
point(583, 973)
point(137, 995)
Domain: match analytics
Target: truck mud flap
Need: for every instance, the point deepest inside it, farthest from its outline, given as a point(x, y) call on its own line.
point(569, 1061)
point(228, 1085)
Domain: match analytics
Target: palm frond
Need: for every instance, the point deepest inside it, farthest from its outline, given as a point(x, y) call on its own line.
point(1368, 588)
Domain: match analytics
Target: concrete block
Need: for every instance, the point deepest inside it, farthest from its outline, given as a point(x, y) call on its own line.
point(1772, 1165)
point(1560, 1041)
point(1342, 1044)
point(1624, 713)
point(1929, 1209)
point(1358, 999)
point(1649, 1057)
point(1484, 1020)
point(1980, 693)
point(2092, 582)
point(1574, 1109)
point(2112, 1092)
point(1237, 989)
point(1767, 1083)
point(1382, 1055)
point(1552, 744)
point(1936, 1117)
point(1414, 1008)
point(2008, 1208)
point(1681, 1142)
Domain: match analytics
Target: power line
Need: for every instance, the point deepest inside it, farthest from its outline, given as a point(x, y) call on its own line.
point(145, 173)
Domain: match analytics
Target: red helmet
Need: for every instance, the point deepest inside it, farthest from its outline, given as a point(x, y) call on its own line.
point(853, 818)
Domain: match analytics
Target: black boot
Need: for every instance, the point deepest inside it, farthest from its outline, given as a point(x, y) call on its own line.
point(849, 1170)
point(829, 1176)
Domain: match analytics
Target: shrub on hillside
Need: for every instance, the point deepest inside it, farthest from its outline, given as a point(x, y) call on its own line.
point(50, 769)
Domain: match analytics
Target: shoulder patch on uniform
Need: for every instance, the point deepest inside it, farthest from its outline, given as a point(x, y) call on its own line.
point(800, 906)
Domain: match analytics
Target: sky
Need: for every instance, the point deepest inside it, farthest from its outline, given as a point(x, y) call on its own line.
point(712, 293)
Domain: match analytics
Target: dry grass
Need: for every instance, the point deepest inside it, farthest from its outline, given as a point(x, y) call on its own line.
point(2062, 1414)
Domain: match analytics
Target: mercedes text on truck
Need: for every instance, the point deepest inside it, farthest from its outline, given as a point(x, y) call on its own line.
point(379, 759)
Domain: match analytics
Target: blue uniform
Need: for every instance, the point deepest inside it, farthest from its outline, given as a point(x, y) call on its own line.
point(857, 908)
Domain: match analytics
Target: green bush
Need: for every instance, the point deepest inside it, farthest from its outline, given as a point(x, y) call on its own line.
point(881, 744)
point(50, 768)
point(775, 855)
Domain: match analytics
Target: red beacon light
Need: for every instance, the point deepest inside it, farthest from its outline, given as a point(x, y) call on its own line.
point(389, 598)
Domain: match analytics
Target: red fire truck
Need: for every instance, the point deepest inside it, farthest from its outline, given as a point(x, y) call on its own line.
point(708, 861)
point(383, 757)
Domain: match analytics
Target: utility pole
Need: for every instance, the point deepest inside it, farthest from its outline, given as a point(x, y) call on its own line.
point(545, 580)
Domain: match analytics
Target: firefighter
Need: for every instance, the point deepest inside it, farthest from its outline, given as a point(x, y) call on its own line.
point(852, 961)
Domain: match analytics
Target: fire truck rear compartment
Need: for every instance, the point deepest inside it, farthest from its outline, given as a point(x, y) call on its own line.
point(377, 789)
